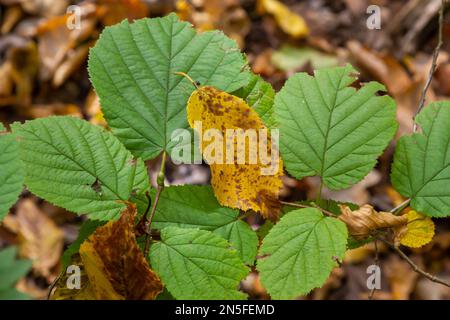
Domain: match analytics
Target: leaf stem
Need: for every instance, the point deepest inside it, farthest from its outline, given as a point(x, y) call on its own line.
point(414, 266)
point(188, 77)
point(319, 192)
point(159, 188)
point(377, 263)
point(298, 205)
point(433, 64)
point(400, 207)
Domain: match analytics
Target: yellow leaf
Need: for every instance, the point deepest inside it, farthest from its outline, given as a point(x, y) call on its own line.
point(240, 178)
point(362, 222)
point(288, 21)
point(419, 230)
point(116, 267)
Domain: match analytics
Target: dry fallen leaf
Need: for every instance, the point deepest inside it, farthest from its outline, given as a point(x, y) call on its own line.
point(402, 278)
point(362, 222)
point(226, 15)
point(46, 8)
point(236, 185)
point(114, 11)
point(56, 40)
point(40, 239)
point(289, 22)
point(75, 59)
point(17, 74)
point(116, 267)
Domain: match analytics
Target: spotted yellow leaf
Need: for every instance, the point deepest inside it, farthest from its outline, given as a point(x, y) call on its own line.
point(419, 230)
point(243, 155)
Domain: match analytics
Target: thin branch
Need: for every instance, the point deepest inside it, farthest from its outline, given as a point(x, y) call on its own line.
point(298, 205)
point(433, 64)
point(415, 267)
point(401, 206)
point(159, 189)
point(245, 215)
point(319, 192)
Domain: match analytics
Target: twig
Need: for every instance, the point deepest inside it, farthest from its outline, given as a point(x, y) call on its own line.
point(319, 192)
point(415, 266)
point(159, 189)
point(245, 215)
point(377, 263)
point(401, 206)
point(433, 65)
point(53, 284)
point(298, 205)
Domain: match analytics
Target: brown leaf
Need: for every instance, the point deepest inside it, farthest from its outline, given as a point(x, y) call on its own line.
point(114, 11)
point(40, 239)
point(402, 278)
point(116, 267)
point(362, 222)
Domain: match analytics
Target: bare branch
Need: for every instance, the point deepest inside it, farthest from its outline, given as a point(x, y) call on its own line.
point(160, 187)
point(377, 263)
point(415, 266)
point(433, 64)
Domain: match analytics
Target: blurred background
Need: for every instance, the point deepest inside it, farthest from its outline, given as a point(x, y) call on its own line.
point(43, 73)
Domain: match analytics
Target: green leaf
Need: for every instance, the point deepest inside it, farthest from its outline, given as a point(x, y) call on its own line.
point(11, 271)
point(13, 294)
point(197, 207)
point(290, 58)
point(330, 129)
point(197, 264)
point(132, 68)
point(79, 166)
point(421, 168)
point(242, 237)
point(301, 248)
point(11, 172)
point(259, 95)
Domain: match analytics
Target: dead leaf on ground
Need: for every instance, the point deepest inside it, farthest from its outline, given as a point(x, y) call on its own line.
point(75, 59)
point(18, 74)
point(401, 277)
point(40, 239)
point(56, 40)
point(45, 8)
point(114, 11)
point(226, 15)
point(290, 22)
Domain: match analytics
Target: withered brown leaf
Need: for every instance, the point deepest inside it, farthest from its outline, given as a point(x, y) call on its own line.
point(113, 261)
point(362, 222)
